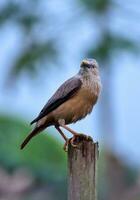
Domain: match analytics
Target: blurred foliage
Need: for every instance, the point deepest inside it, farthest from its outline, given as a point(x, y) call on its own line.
point(44, 156)
point(110, 44)
point(97, 6)
point(20, 13)
point(8, 11)
point(35, 50)
point(30, 59)
point(39, 53)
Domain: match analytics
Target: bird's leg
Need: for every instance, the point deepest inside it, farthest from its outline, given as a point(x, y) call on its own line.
point(69, 129)
point(73, 132)
point(64, 137)
point(76, 136)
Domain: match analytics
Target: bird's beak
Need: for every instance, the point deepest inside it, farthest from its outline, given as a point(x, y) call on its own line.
point(84, 62)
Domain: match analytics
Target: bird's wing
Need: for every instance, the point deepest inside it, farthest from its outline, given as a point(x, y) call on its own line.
point(64, 92)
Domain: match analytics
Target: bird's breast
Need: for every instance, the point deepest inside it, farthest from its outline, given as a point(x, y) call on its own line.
point(78, 106)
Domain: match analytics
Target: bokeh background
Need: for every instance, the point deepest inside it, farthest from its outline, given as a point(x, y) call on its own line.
point(41, 45)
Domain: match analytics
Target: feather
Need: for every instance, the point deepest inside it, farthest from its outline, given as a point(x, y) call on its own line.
point(34, 132)
point(64, 92)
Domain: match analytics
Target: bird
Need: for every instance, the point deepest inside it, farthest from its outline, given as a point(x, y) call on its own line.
point(71, 102)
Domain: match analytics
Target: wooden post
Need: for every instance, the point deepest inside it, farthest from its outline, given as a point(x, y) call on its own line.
point(82, 170)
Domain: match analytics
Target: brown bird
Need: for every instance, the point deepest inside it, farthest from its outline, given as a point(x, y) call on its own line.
point(73, 100)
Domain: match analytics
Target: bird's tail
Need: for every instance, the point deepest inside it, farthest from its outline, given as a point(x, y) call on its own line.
point(34, 132)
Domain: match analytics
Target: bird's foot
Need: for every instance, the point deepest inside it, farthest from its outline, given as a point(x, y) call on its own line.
point(69, 141)
point(77, 138)
point(66, 145)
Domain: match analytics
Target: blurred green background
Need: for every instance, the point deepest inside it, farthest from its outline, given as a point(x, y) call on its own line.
point(42, 44)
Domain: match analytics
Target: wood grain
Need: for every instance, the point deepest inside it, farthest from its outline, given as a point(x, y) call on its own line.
point(82, 170)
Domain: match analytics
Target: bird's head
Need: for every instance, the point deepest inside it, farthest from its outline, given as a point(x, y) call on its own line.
point(89, 66)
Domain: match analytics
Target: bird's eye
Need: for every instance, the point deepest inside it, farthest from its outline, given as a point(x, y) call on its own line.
point(84, 65)
point(88, 66)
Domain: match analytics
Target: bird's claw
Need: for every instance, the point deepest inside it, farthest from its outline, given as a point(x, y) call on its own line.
point(66, 145)
point(78, 138)
point(69, 141)
point(75, 140)
point(72, 142)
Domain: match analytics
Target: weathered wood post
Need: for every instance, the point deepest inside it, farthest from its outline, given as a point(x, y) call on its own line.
point(82, 170)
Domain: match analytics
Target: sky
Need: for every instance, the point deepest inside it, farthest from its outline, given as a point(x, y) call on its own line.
point(27, 99)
